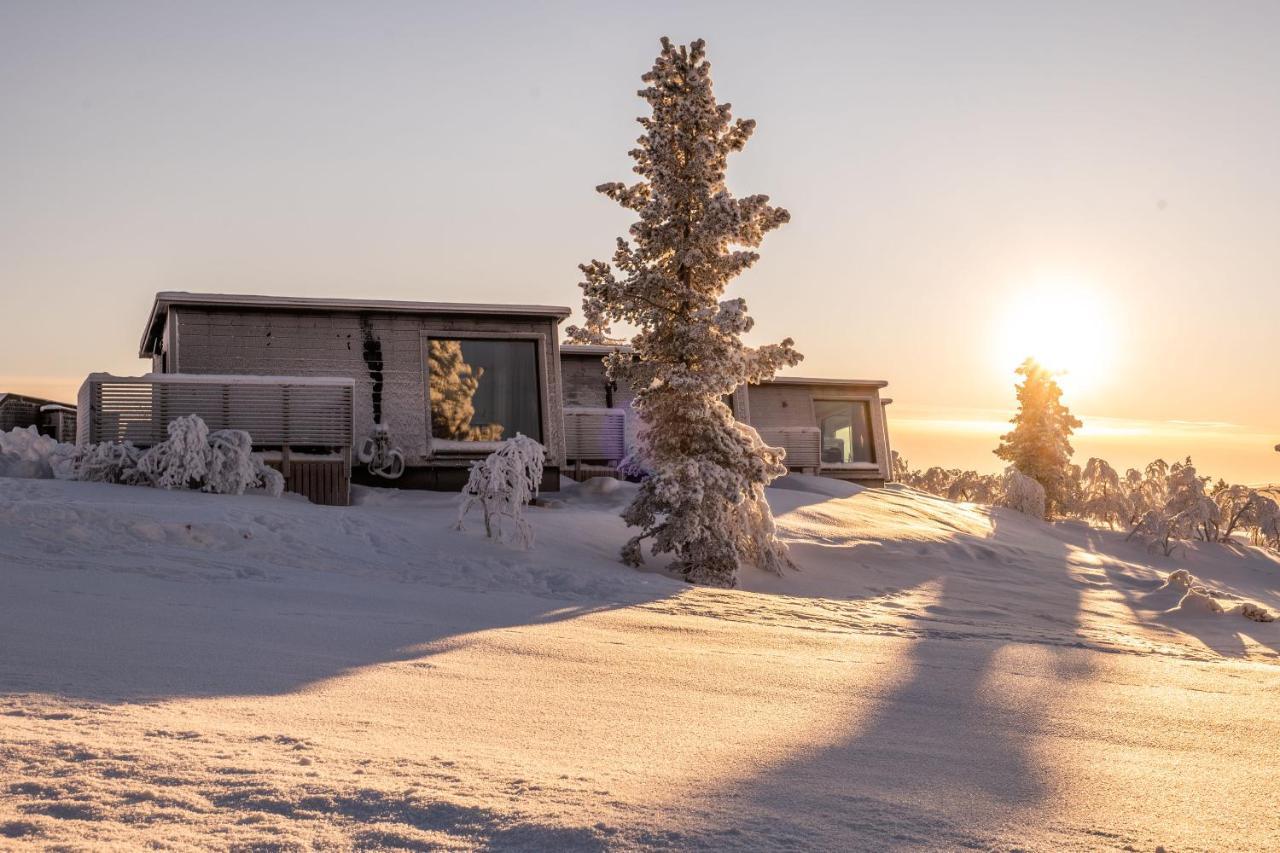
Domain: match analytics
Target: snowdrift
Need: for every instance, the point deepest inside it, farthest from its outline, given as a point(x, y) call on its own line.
point(191, 670)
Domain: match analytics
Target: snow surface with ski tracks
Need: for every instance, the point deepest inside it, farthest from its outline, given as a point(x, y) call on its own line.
point(183, 670)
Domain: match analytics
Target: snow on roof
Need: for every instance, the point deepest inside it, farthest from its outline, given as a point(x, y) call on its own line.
point(165, 299)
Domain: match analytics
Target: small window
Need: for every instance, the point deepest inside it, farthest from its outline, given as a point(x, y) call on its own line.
point(846, 432)
point(483, 390)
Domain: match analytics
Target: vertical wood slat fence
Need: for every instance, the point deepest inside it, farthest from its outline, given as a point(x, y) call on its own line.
point(288, 414)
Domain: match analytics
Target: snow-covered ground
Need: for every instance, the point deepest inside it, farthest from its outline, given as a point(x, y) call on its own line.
point(184, 669)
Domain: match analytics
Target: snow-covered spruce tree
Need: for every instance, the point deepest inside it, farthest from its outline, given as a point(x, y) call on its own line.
point(703, 500)
point(1040, 444)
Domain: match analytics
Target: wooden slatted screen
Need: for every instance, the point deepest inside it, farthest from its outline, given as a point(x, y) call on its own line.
point(803, 445)
point(275, 411)
point(595, 434)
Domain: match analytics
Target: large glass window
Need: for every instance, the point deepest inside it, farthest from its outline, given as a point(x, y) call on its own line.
point(483, 390)
point(846, 431)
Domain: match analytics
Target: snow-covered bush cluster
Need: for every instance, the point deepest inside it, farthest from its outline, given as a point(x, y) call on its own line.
point(503, 483)
point(1023, 494)
point(1161, 504)
point(191, 457)
point(703, 499)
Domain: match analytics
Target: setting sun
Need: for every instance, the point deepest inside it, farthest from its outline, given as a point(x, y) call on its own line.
point(1062, 323)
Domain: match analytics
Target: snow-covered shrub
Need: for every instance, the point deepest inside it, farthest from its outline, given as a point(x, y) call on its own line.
point(973, 487)
point(502, 484)
point(191, 458)
point(181, 461)
point(107, 462)
point(706, 472)
point(1264, 526)
point(1158, 530)
point(233, 467)
point(1023, 494)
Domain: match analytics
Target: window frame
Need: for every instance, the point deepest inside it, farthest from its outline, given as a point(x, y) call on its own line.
point(437, 447)
point(870, 401)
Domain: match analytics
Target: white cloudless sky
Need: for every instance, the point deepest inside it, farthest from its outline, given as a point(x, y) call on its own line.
point(938, 159)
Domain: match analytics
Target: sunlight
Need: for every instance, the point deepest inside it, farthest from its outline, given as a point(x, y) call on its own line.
point(1063, 323)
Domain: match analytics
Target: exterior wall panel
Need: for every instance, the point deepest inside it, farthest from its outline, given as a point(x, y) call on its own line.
point(212, 340)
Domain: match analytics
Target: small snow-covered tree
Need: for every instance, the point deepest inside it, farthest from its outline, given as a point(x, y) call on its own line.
point(1024, 494)
point(1039, 445)
point(973, 487)
point(1192, 511)
point(703, 499)
point(1102, 495)
point(1264, 522)
point(181, 460)
point(502, 484)
point(901, 468)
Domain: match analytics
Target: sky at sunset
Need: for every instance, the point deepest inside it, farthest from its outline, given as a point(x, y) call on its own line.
point(1094, 184)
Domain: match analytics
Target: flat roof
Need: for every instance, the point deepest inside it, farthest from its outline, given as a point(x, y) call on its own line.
point(27, 398)
point(806, 380)
point(593, 349)
point(165, 299)
point(605, 349)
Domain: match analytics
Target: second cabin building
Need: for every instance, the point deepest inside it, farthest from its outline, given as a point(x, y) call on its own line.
point(832, 427)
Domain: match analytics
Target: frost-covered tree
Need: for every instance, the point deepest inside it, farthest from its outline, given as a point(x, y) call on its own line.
point(703, 500)
point(901, 468)
point(1022, 493)
point(1103, 498)
point(181, 460)
point(1039, 445)
point(1189, 506)
point(502, 484)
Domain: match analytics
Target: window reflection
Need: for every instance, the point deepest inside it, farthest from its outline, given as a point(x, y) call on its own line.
point(483, 390)
point(846, 431)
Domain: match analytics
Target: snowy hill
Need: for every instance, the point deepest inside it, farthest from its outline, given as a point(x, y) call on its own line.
point(179, 668)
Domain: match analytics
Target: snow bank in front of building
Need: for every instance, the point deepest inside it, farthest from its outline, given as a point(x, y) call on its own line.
point(25, 453)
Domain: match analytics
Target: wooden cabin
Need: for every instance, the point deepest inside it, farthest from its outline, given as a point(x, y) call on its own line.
point(832, 427)
point(443, 383)
point(57, 420)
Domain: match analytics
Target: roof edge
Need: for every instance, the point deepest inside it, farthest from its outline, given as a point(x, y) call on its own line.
point(168, 298)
